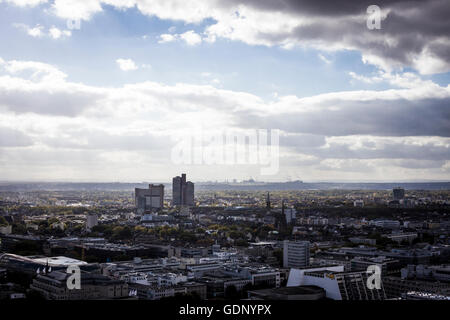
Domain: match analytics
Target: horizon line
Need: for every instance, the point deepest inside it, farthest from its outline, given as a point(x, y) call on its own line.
point(231, 182)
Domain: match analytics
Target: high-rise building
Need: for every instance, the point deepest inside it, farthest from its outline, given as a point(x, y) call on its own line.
point(295, 254)
point(150, 199)
point(91, 221)
point(182, 191)
point(290, 214)
point(399, 193)
point(189, 194)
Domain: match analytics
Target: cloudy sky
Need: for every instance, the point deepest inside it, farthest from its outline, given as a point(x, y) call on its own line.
point(102, 90)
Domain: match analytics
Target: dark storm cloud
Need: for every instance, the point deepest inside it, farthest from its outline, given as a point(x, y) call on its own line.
point(425, 117)
point(320, 7)
point(419, 164)
point(412, 28)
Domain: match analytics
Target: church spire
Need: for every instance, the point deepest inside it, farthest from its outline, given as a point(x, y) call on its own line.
point(268, 201)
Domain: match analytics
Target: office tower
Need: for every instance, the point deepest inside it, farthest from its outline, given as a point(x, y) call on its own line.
point(189, 194)
point(295, 254)
point(150, 199)
point(182, 191)
point(176, 191)
point(399, 193)
point(91, 221)
point(290, 214)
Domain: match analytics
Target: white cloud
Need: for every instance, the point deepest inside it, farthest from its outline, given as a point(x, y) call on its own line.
point(76, 9)
point(402, 80)
point(126, 64)
point(72, 127)
point(300, 23)
point(35, 32)
point(167, 38)
point(41, 72)
point(24, 3)
point(56, 33)
point(371, 80)
point(191, 38)
point(39, 31)
point(324, 59)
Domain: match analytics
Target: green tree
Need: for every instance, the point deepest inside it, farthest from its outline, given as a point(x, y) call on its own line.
point(3, 222)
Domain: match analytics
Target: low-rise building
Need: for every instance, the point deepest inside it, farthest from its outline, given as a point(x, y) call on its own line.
point(53, 286)
point(288, 293)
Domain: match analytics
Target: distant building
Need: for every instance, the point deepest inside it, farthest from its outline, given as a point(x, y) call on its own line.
point(290, 213)
point(150, 199)
point(358, 203)
point(295, 254)
point(288, 293)
point(53, 286)
point(182, 191)
point(331, 259)
point(339, 285)
point(153, 292)
point(30, 265)
point(388, 224)
point(362, 263)
point(403, 236)
point(415, 295)
point(344, 285)
point(395, 286)
point(422, 272)
point(91, 221)
point(371, 242)
point(6, 229)
point(399, 193)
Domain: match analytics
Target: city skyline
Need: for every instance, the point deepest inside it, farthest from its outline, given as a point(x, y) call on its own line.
point(101, 91)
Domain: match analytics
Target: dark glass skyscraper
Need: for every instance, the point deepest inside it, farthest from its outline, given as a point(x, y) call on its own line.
point(182, 191)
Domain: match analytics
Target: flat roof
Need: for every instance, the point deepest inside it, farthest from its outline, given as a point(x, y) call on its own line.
point(59, 261)
point(310, 289)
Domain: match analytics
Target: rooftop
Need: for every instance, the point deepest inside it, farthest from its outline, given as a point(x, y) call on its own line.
point(59, 261)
